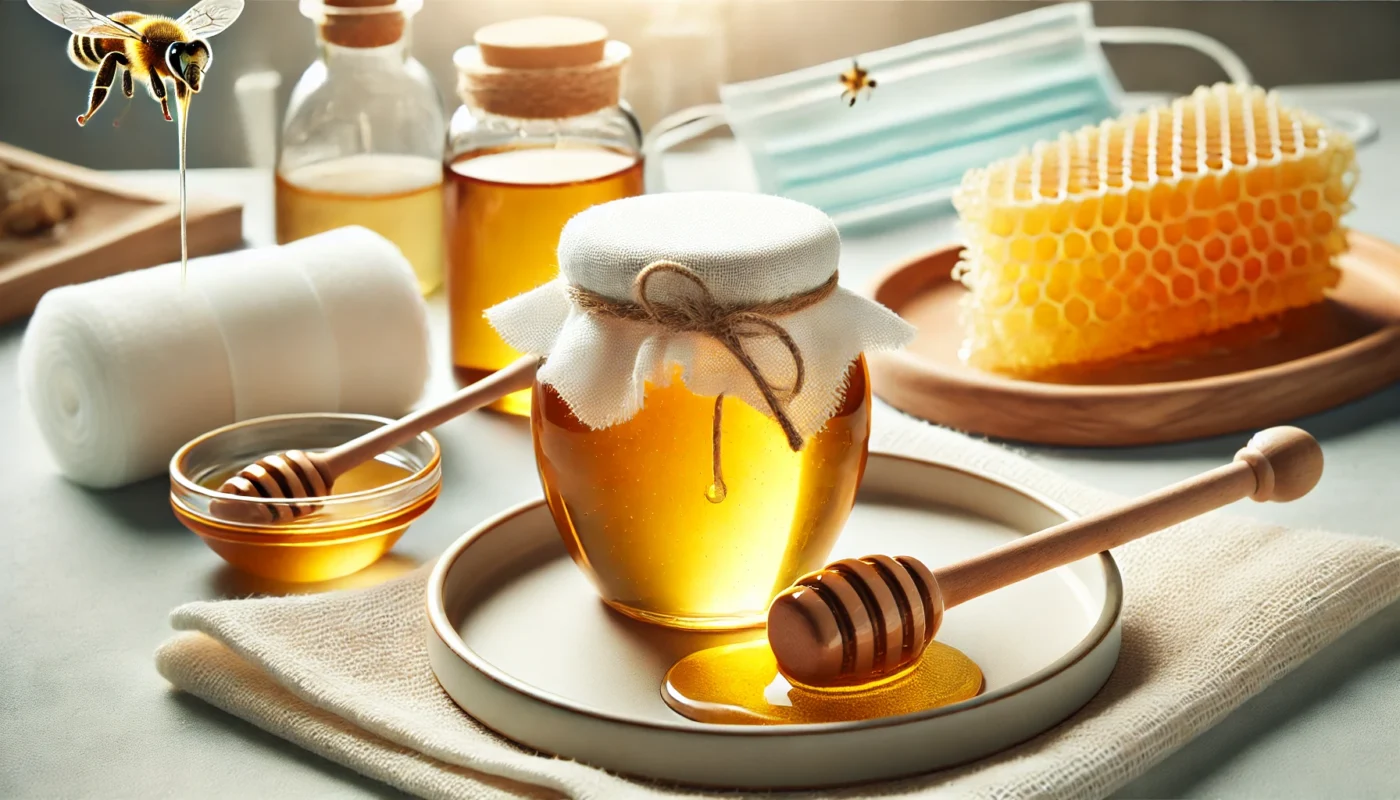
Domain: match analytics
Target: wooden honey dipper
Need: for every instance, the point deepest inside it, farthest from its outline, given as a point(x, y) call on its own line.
point(858, 620)
point(294, 473)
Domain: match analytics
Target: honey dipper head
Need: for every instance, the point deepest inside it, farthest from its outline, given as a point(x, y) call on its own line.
point(1287, 463)
point(855, 621)
point(288, 475)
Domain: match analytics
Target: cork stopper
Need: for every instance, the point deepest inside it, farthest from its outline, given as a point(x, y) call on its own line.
point(362, 23)
point(542, 68)
point(542, 43)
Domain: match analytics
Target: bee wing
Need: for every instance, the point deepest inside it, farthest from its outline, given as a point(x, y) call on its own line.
point(82, 20)
point(209, 17)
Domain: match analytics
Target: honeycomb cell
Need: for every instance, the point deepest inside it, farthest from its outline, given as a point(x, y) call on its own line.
point(1108, 307)
point(1188, 256)
point(1214, 249)
point(1253, 269)
point(1076, 312)
point(1218, 209)
point(1229, 275)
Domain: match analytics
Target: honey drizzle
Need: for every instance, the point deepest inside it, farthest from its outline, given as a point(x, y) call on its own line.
point(182, 113)
point(739, 684)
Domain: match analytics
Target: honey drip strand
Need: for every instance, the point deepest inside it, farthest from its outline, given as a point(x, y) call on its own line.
point(728, 325)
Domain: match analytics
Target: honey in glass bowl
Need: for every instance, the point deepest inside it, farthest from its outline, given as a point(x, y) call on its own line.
point(369, 508)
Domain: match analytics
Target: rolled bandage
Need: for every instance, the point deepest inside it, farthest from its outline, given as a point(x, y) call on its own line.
point(120, 372)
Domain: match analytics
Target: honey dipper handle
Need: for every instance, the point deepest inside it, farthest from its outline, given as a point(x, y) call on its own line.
point(1279, 464)
point(520, 374)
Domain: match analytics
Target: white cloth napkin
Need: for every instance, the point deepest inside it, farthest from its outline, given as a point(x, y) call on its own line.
point(122, 371)
point(1215, 610)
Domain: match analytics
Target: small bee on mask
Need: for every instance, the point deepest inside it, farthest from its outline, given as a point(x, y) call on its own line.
point(855, 80)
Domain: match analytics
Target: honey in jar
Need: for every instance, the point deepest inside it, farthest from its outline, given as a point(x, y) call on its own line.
point(363, 139)
point(397, 196)
point(631, 501)
point(507, 207)
point(541, 136)
point(702, 414)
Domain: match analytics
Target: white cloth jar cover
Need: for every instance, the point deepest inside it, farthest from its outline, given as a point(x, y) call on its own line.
point(121, 371)
point(747, 249)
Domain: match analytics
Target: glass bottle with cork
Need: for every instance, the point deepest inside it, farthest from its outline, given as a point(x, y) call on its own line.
point(542, 136)
point(363, 137)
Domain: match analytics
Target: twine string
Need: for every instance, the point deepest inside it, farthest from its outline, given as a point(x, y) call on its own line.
point(728, 325)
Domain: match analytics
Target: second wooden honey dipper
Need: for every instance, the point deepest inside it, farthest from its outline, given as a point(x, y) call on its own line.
point(861, 620)
point(296, 474)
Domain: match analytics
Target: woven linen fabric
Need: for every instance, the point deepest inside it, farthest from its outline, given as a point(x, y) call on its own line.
point(746, 248)
point(1215, 610)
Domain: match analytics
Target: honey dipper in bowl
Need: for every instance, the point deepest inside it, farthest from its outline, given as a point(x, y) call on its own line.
point(295, 474)
point(860, 620)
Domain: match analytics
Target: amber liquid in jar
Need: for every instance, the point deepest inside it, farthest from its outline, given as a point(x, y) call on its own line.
point(630, 501)
point(506, 208)
point(396, 196)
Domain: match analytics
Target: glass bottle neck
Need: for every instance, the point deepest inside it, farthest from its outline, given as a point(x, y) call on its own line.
point(394, 52)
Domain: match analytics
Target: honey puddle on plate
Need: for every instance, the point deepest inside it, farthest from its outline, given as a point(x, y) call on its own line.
point(739, 684)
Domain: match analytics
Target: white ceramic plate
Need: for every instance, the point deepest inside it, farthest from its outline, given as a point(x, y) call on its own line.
point(519, 640)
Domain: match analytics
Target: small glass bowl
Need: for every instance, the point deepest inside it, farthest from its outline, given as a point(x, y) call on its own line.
point(346, 532)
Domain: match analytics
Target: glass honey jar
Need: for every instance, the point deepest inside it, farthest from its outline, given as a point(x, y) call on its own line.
point(702, 416)
point(542, 135)
point(363, 137)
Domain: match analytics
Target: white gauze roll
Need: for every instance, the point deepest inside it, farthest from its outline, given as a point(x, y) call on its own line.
point(120, 372)
point(370, 298)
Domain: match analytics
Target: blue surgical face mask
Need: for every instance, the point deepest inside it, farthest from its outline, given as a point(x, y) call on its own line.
point(941, 106)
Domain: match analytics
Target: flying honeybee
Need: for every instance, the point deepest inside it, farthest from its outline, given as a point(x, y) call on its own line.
point(148, 48)
point(854, 79)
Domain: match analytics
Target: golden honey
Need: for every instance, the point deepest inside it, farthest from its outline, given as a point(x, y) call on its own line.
point(316, 547)
point(396, 196)
point(506, 208)
point(630, 501)
point(739, 684)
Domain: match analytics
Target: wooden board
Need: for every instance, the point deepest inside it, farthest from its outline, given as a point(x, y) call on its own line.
point(1261, 374)
point(116, 229)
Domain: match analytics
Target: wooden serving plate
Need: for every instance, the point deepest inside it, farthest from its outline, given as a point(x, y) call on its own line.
point(1305, 361)
point(116, 229)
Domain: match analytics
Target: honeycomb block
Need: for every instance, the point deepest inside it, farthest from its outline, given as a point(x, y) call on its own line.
point(1166, 224)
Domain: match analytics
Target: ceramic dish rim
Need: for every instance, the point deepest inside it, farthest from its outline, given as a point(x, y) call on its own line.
point(432, 465)
point(1102, 628)
point(1069, 391)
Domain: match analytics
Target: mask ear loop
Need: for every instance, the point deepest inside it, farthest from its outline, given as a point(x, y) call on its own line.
point(1358, 126)
point(674, 130)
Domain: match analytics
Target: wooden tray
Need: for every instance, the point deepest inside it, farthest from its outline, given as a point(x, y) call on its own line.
point(117, 229)
point(1306, 361)
point(518, 638)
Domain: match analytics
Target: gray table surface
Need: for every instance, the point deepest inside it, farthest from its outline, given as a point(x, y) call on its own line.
point(87, 578)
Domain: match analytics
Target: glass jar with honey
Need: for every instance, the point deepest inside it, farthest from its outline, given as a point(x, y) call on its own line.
point(702, 414)
point(542, 135)
point(363, 137)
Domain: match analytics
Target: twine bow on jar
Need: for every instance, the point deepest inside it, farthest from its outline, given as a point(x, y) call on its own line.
point(730, 325)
